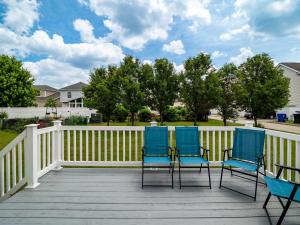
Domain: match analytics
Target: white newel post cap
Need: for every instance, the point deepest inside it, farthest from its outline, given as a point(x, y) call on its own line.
point(153, 124)
point(57, 122)
point(249, 124)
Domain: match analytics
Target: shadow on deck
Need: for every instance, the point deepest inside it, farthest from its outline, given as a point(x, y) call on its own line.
point(114, 196)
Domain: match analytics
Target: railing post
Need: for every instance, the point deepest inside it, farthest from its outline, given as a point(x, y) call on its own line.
point(31, 157)
point(57, 144)
point(153, 124)
point(249, 124)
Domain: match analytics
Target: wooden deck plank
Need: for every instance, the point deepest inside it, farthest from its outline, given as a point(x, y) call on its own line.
point(114, 196)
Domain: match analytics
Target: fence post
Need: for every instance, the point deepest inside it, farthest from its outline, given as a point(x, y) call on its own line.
point(249, 124)
point(31, 157)
point(57, 144)
point(153, 124)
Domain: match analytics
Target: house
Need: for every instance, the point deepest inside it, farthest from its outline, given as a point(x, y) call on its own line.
point(46, 92)
point(70, 96)
point(292, 71)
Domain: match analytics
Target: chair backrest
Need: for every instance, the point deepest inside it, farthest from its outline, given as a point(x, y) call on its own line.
point(248, 144)
point(187, 140)
point(156, 141)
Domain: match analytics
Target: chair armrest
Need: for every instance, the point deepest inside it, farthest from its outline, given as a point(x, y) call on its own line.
point(206, 151)
point(288, 167)
point(227, 150)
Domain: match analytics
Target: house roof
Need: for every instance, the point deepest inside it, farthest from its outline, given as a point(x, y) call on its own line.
point(45, 88)
point(292, 65)
point(74, 87)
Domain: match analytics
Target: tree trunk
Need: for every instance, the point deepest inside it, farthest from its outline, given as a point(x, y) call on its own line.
point(108, 119)
point(132, 118)
point(224, 121)
point(255, 120)
point(161, 118)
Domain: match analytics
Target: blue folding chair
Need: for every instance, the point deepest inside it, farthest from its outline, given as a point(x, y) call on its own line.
point(156, 151)
point(247, 154)
point(188, 152)
point(282, 189)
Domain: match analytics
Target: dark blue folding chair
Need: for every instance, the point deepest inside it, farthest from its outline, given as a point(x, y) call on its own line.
point(156, 151)
point(246, 154)
point(189, 152)
point(282, 189)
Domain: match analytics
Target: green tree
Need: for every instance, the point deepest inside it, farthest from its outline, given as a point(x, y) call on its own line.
point(16, 84)
point(51, 103)
point(196, 87)
point(131, 94)
point(227, 89)
point(103, 91)
point(263, 87)
point(163, 86)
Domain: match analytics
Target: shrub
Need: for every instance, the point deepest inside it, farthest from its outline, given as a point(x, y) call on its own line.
point(120, 113)
point(171, 115)
point(18, 125)
point(181, 112)
point(76, 120)
point(145, 114)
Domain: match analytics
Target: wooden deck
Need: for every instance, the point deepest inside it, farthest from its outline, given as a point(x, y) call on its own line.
point(114, 196)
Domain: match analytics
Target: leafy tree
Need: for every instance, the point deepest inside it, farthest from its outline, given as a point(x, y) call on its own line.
point(120, 113)
point(51, 103)
point(16, 84)
point(226, 86)
point(163, 86)
point(145, 114)
point(197, 89)
point(131, 94)
point(103, 91)
point(263, 87)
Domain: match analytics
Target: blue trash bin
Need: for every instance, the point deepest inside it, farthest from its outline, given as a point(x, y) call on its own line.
point(281, 117)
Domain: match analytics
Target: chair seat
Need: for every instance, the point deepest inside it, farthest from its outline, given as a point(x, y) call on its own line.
point(281, 188)
point(188, 160)
point(240, 164)
point(157, 159)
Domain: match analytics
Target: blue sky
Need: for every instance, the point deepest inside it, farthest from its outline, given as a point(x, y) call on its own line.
point(61, 41)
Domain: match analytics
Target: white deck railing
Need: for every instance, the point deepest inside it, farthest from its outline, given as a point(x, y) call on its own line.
point(50, 148)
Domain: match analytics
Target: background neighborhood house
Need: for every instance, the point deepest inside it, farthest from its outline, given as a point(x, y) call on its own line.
point(292, 71)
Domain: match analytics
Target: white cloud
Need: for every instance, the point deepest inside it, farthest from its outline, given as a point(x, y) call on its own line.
point(277, 17)
point(245, 29)
point(85, 28)
point(217, 54)
point(20, 16)
point(296, 49)
point(56, 73)
point(179, 68)
point(175, 47)
point(135, 23)
point(240, 58)
point(147, 62)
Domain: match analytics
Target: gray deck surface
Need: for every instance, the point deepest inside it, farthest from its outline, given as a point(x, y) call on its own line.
point(114, 196)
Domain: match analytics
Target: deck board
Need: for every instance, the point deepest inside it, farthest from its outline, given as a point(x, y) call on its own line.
point(114, 196)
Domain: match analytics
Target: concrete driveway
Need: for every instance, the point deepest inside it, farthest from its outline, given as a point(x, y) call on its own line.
point(269, 124)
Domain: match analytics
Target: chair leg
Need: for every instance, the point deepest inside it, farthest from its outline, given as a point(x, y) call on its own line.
point(179, 175)
point(221, 176)
point(142, 175)
point(256, 183)
point(231, 171)
point(287, 206)
point(200, 168)
point(172, 168)
point(267, 200)
point(208, 175)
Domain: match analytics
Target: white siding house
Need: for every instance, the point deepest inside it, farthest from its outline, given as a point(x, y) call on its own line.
point(72, 96)
point(292, 71)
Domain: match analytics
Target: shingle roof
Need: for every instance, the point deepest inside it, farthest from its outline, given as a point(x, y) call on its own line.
point(292, 65)
point(74, 87)
point(45, 88)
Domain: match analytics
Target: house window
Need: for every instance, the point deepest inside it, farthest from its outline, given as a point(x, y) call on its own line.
point(69, 94)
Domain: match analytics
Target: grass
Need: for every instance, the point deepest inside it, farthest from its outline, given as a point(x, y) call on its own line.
point(211, 122)
point(6, 136)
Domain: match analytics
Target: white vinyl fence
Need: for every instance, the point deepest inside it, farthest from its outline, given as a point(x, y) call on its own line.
point(37, 151)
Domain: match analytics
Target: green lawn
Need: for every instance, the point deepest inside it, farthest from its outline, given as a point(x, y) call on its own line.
point(211, 122)
point(6, 136)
